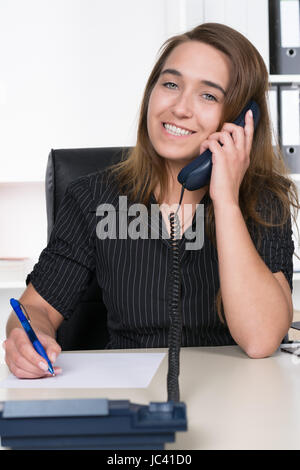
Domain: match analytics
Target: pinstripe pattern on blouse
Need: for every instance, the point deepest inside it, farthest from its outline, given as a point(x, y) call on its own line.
point(134, 273)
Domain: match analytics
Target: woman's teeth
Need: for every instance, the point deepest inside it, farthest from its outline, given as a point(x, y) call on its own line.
point(176, 130)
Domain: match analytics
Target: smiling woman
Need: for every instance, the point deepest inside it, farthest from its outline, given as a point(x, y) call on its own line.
point(236, 287)
point(186, 102)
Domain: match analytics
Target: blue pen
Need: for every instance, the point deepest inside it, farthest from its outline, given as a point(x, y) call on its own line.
point(25, 322)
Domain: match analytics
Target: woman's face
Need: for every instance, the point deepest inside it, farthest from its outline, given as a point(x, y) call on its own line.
point(186, 103)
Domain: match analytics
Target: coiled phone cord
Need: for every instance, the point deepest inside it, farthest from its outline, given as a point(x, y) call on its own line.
point(174, 338)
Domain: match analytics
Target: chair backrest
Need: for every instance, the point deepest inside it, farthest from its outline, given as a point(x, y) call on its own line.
point(86, 329)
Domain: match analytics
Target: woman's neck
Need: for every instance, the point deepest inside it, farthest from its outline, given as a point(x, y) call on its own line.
point(172, 196)
point(174, 192)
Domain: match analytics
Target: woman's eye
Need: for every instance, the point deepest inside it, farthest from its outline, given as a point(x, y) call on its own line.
point(170, 85)
point(209, 97)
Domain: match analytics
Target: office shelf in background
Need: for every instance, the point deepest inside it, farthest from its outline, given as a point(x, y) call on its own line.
point(284, 78)
point(12, 285)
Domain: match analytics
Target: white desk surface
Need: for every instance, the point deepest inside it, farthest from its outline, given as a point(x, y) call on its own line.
point(233, 402)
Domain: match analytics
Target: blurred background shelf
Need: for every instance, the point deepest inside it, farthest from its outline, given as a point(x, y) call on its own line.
point(284, 78)
point(12, 285)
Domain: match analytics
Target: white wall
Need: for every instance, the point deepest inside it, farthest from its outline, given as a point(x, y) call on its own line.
point(249, 17)
point(72, 75)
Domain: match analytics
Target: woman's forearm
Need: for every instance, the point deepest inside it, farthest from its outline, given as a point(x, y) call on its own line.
point(255, 306)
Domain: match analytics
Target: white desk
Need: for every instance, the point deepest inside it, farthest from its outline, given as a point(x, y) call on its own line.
point(233, 402)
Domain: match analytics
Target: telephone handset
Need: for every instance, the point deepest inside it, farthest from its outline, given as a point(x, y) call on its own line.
point(197, 174)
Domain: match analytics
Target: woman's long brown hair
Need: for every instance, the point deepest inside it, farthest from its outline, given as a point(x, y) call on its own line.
point(143, 169)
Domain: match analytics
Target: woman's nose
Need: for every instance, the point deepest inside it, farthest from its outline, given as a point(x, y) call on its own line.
point(183, 106)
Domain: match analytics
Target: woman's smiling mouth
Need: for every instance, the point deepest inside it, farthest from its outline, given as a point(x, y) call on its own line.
point(176, 131)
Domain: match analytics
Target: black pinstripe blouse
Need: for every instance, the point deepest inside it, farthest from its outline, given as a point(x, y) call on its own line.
point(134, 274)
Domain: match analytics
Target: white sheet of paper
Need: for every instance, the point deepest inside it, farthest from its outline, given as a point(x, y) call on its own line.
point(96, 370)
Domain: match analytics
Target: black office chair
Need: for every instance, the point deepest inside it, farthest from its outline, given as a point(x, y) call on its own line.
point(64, 166)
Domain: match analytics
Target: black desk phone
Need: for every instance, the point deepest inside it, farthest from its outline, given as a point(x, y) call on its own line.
point(197, 174)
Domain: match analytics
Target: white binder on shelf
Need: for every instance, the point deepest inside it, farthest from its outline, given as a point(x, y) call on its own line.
point(290, 125)
point(284, 33)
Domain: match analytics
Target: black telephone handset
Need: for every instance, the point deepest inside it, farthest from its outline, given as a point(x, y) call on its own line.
point(197, 174)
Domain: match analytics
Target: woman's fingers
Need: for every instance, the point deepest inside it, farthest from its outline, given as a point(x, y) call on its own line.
point(22, 359)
